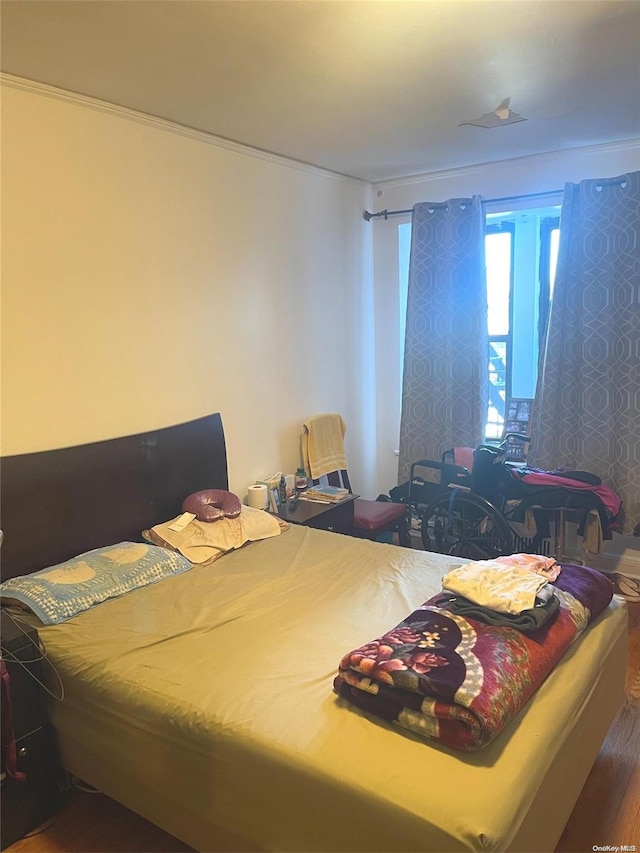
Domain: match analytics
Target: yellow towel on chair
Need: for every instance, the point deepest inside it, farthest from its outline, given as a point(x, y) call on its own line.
point(322, 445)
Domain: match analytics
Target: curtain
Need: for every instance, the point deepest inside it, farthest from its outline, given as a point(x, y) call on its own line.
point(587, 409)
point(445, 378)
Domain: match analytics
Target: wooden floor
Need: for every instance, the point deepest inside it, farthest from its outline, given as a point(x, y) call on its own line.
point(607, 813)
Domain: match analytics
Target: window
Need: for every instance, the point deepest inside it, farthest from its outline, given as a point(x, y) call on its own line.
point(521, 249)
point(499, 264)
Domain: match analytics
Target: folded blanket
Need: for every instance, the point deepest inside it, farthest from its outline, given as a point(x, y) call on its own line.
point(457, 680)
point(496, 585)
point(526, 621)
point(546, 566)
point(322, 445)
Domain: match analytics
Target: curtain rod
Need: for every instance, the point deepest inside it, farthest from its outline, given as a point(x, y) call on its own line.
point(605, 182)
point(384, 214)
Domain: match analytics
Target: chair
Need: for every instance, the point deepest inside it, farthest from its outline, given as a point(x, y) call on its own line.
point(321, 445)
point(371, 519)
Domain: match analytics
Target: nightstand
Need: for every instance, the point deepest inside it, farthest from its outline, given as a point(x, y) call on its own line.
point(27, 803)
point(337, 518)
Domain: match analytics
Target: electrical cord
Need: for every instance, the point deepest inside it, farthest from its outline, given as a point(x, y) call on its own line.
point(8, 655)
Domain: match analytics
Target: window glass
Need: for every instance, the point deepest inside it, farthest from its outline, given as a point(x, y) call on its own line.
point(553, 258)
point(498, 263)
point(497, 389)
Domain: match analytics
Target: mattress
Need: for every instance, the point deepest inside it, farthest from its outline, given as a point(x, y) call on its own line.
point(205, 704)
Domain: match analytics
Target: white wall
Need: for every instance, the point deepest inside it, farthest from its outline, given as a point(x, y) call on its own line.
point(542, 173)
point(151, 275)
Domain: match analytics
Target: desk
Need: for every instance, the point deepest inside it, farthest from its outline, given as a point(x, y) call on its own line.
point(336, 517)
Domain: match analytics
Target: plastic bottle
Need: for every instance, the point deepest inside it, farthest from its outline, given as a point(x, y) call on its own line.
point(301, 480)
point(282, 489)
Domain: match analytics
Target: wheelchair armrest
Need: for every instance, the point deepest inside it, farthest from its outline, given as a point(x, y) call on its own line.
point(452, 471)
point(518, 437)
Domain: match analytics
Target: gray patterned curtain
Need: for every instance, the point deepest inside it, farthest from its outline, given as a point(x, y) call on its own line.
point(444, 390)
point(587, 409)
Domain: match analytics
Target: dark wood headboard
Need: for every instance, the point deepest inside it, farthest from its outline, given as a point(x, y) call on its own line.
point(56, 504)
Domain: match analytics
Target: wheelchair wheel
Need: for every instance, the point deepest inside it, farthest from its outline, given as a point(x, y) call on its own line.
point(462, 524)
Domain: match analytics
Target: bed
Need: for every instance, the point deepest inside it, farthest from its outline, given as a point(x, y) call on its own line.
point(204, 702)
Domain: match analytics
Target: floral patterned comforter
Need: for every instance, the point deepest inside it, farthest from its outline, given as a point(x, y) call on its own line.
point(457, 680)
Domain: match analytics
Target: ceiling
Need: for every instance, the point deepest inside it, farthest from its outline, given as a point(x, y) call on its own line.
point(374, 89)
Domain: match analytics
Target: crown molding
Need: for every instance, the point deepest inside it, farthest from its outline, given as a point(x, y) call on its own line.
point(45, 90)
point(478, 168)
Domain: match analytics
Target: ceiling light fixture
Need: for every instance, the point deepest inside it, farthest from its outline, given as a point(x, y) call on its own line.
point(501, 115)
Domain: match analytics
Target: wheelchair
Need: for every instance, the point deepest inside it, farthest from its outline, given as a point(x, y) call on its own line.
point(478, 511)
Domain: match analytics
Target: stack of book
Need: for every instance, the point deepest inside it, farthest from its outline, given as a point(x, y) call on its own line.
point(327, 494)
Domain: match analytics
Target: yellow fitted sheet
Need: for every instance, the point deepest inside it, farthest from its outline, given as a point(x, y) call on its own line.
point(205, 703)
